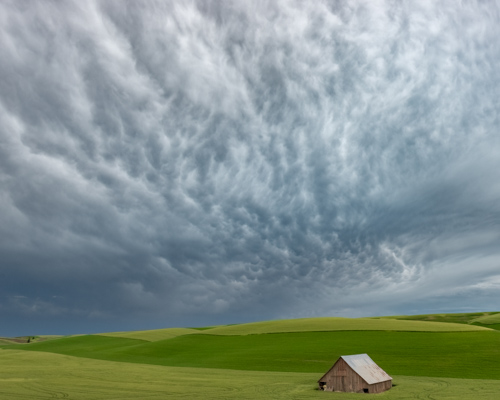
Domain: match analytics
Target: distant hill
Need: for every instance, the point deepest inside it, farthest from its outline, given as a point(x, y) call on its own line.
point(490, 319)
point(152, 335)
point(425, 345)
point(302, 325)
point(339, 324)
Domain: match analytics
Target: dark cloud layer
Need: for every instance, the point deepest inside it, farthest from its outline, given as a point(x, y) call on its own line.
point(186, 163)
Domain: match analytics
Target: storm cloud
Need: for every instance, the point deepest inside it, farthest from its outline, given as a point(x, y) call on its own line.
point(168, 163)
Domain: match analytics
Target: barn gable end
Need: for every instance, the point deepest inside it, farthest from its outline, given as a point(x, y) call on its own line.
point(358, 374)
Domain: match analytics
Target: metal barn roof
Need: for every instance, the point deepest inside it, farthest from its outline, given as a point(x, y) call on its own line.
point(365, 367)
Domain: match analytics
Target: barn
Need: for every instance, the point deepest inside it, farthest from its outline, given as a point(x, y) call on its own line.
point(357, 374)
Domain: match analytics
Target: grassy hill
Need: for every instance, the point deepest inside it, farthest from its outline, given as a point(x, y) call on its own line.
point(339, 324)
point(403, 347)
point(428, 354)
point(486, 319)
point(447, 354)
point(27, 339)
point(489, 319)
point(40, 375)
point(152, 335)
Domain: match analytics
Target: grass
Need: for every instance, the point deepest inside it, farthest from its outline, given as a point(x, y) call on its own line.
point(34, 375)
point(37, 375)
point(152, 335)
point(24, 339)
point(438, 354)
point(339, 324)
point(460, 318)
point(204, 328)
point(494, 326)
point(489, 319)
point(14, 340)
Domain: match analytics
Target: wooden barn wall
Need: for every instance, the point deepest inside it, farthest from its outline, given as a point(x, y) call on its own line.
point(380, 387)
point(342, 378)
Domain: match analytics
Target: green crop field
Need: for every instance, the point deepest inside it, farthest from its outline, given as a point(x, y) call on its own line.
point(443, 354)
point(487, 319)
point(36, 375)
point(302, 325)
point(274, 359)
point(152, 335)
point(338, 324)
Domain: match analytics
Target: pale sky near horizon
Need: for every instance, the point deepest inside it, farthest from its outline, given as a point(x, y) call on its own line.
point(190, 163)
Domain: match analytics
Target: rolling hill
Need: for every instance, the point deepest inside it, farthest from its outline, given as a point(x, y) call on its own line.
point(433, 347)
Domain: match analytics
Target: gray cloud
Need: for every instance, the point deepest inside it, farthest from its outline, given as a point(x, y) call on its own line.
point(171, 163)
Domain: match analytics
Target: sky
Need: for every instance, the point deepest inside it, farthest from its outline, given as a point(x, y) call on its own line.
point(192, 163)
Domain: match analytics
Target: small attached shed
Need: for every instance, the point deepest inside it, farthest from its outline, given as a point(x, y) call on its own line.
point(356, 374)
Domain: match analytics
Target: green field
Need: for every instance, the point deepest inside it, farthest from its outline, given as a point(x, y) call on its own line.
point(152, 335)
point(338, 324)
point(447, 354)
point(24, 339)
point(486, 319)
point(36, 375)
point(274, 359)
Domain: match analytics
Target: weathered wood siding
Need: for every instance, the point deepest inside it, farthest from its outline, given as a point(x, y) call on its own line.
point(342, 378)
point(380, 387)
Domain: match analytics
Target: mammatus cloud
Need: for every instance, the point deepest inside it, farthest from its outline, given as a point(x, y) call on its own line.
point(172, 163)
